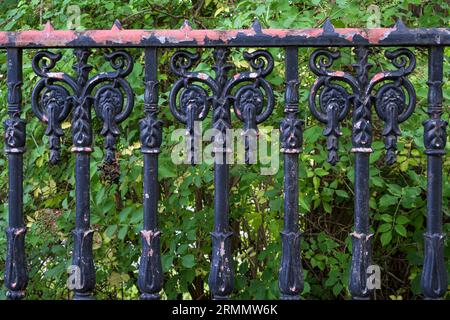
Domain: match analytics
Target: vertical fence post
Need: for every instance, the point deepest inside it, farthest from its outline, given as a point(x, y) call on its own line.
point(82, 258)
point(16, 277)
point(362, 140)
point(290, 275)
point(434, 275)
point(150, 280)
point(221, 276)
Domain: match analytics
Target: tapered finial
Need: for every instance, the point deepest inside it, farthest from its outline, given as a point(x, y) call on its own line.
point(328, 26)
point(117, 26)
point(186, 26)
point(399, 25)
point(256, 26)
point(48, 27)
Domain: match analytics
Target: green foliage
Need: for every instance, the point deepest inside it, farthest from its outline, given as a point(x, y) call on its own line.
point(398, 193)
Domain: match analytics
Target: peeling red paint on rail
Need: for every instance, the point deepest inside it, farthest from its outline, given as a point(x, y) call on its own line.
point(240, 37)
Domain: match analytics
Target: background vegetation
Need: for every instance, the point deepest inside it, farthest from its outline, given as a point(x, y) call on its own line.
point(398, 193)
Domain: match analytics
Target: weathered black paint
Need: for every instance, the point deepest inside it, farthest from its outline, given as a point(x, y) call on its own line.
point(256, 36)
point(150, 279)
point(82, 256)
point(291, 276)
point(16, 276)
point(434, 275)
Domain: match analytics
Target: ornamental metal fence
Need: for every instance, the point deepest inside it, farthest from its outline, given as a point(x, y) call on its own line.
point(247, 95)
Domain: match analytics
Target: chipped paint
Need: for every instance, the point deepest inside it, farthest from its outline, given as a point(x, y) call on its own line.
point(359, 235)
point(222, 248)
point(337, 73)
point(56, 75)
point(379, 76)
point(186, 36)
point(202, 76)
point(149, 235)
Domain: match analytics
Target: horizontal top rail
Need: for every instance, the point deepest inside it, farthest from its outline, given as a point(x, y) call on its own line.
point(256, 36)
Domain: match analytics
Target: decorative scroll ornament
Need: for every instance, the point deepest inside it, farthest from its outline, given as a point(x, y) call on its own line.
point(14, 135)
point(291, 127)
point(15, 127)
point(394, 100)
point(334, 102)
point(390, 103)
point(253, 103)
point(333, 99)
point(151, 127)
point(221, 104)
point(52, 102)
point(193, 103)
point(191, 98)
point(291, 134)
point(249, 104)
point(435, 136)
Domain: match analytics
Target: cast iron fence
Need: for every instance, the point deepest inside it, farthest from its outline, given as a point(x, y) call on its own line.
point(331, 97)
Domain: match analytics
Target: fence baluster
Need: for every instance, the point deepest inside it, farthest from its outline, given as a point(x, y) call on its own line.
point(434, 275)
point(290, 275)
point(221, 276)
point(16, 277)
point(150, 280)
point(82, 257)
point(362, 140)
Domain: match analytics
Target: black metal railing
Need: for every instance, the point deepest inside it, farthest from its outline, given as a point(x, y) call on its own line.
point(192, 96)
